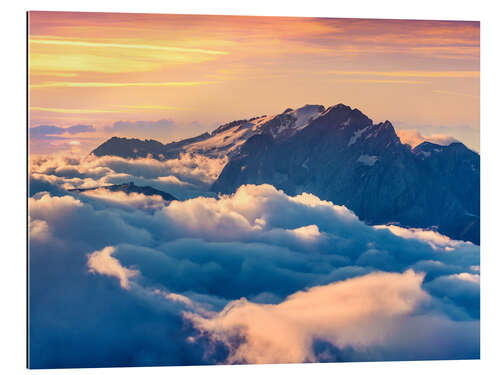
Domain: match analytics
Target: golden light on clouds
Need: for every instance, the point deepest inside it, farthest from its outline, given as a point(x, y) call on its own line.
point(394, 81)
point(106, 67)
point(124, 108)
point(419, 74)
point(73, 110)
point(155, 107)
point(78, 43)
point(118, 84)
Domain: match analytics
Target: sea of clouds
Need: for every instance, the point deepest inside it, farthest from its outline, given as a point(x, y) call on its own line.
point(255, 277)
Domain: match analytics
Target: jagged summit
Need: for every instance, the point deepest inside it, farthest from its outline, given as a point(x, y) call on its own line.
point(228, 138)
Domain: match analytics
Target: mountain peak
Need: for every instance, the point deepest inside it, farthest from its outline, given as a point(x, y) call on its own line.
point(427, 145)
point(129, 147)
point(341, 116)
point(458, 146)
point(341, 106)
point(311, 107)
point(305, 114)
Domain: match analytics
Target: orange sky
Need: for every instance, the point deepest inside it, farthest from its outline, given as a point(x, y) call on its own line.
point(200, 71)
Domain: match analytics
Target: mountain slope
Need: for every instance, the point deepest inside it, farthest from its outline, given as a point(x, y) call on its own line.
point(225, 140)
point(132, 148)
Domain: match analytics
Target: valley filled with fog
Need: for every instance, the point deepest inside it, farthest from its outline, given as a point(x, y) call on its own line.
point(254, 276)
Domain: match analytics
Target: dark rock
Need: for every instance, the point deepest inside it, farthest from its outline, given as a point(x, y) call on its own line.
point(132, 188)
point(343, 157)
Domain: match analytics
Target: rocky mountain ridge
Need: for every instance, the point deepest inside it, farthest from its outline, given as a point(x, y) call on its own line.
point(340, 155)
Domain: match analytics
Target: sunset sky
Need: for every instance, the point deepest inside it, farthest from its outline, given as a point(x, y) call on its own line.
point(93, 75)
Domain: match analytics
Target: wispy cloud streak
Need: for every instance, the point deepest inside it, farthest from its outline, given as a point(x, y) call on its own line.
point(78, 43)
point(119, 84)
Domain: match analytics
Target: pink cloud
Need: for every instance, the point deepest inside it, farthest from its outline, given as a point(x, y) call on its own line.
point(103, 263)
point(357, 312)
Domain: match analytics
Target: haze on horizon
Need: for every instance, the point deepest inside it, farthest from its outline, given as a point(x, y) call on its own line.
point(171, 76)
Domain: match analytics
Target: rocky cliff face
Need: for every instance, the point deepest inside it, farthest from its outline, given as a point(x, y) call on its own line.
point(341, 156)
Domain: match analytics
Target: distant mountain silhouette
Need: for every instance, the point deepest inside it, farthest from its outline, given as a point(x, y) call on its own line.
point(340, 155)
point(132, 188)
point(136, 148)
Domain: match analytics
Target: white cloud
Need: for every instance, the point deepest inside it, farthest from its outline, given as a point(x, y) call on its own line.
point(120, 198)
point(357, 312)
point(71, 219)
point(186, 176)
point(251, 210)
point(38, 230)
point(436, 240)
point(296, 261)
point(172, 180)
point(103, 263)
point(309, 233)
point(48, 207)
point(414, 138)
point(473, 278)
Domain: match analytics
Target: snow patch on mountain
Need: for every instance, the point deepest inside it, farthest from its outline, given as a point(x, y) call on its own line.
point(306, 114)
point(346, 123)
point(356, 135)
point(223, 143)
point(228, 138)
point(258, 122)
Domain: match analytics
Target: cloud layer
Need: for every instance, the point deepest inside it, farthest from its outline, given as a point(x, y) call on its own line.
point(48, 132)
point(354, 313)
point(187, 176)
point(414, 138)
point(253, 277)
